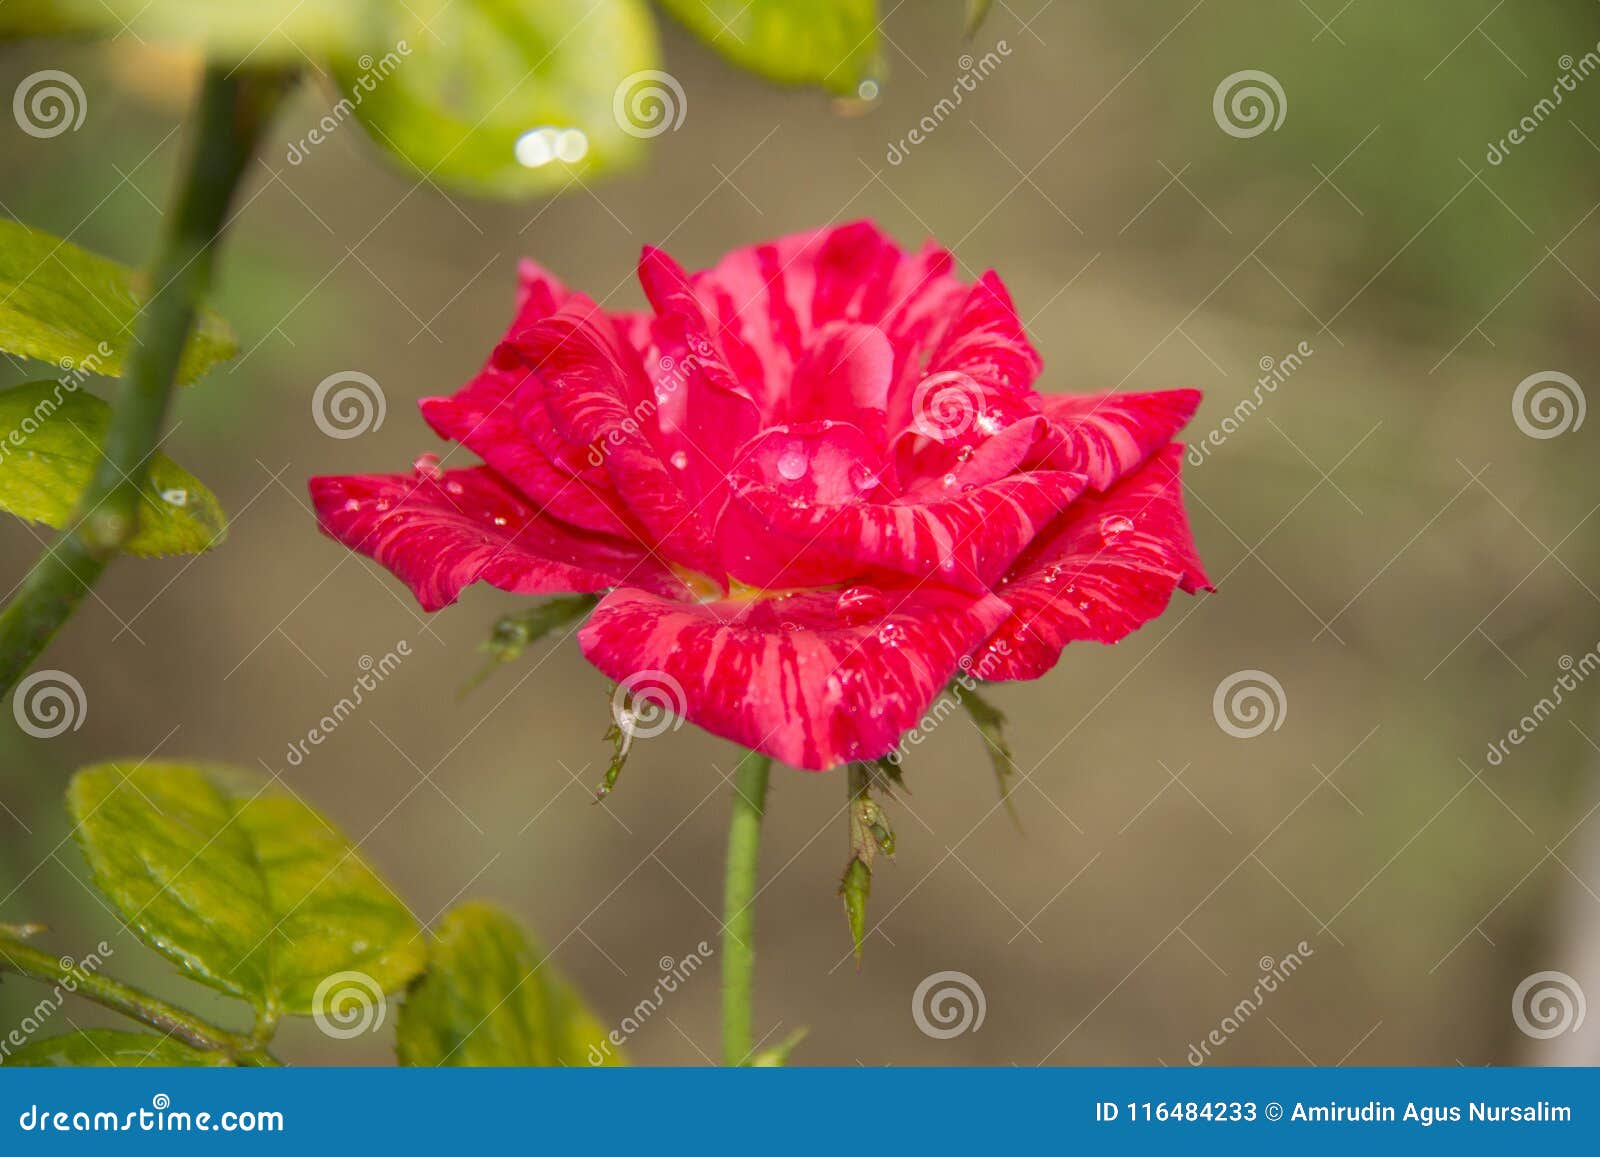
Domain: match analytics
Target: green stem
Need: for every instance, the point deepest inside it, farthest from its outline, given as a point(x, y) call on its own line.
point(130, 1002)
point(738, 907)
point(233, 110)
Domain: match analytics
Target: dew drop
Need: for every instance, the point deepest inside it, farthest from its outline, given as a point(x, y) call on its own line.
point(175, 497)
point(792, 463)
point(859, 604)
point(950, 481)
point(680, 459)
point(1114, 526)
point(427, 466)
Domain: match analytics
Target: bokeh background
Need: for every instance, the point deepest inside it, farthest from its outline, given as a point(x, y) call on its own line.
point(1387, 542)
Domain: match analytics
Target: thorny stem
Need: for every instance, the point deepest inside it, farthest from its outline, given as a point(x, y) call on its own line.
point(738, 907)
point(232, 111)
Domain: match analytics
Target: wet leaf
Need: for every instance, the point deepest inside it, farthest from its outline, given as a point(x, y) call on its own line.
point(51, 435)
point(238, 882)
point(502, 97)
point(63, 304)
point(831, 43)
point(489, 998)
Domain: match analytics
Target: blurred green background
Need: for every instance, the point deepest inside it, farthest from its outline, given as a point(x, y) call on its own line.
point(1387, 543)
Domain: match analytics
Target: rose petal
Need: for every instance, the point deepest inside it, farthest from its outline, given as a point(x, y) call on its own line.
point(599, 397)
point(1106, 568)
point(814, 679)
point(439, 534)
point(1107, 436)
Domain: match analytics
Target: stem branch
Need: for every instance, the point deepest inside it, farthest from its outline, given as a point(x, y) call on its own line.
point(130, 1002)
point(738, 906)
point(233, 110)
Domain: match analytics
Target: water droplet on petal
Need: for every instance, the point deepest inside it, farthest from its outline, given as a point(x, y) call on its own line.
point(950, 481)
point(863, 477)
point(680, 459)
point(861, 604)
point(175, 497)
point(1115, 525)
point(792, 463)
point(427, 466)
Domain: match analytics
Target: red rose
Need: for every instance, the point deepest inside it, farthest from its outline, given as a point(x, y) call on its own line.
point(815, 481)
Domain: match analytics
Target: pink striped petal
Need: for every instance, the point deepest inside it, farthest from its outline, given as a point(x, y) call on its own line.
point(1107, 567)
point(441, 531)
point(599, 397)
point(1106, 436)
point(815, 679)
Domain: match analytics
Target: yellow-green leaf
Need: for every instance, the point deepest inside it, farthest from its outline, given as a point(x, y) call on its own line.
point(501, 97)
point(51, 435)
point(832, 43)
point(241, 884)
point(63, 304)
point(488, 999)
point(262, 31)
point(109, 1048)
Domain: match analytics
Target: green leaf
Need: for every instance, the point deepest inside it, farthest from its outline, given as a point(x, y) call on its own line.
point(241, 884)
point(778, 1055)
point(108, 1048)
point(265, 31)
point(487, 999)
point(63, 304)
point(991, 724)
point(51, 435)
point(856, 888)
point(832, 43)
point(453, 86)
point(977, 12)
point(516, 632)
